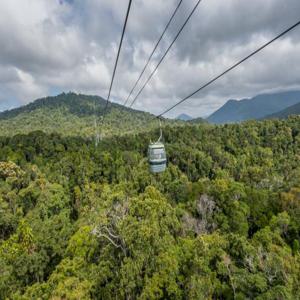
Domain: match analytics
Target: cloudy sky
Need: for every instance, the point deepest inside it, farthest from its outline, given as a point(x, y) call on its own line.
point(51, 46)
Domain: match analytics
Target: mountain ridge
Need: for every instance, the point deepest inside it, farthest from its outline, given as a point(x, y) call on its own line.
point(285, 113)
point(67, 99)
point(184, 117)
point(73, 114)
point(254, 108)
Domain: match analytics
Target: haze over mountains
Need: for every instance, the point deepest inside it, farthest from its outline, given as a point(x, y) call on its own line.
point(257, 107)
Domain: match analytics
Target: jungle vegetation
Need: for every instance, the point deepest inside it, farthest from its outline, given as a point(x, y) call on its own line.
point(223, 221)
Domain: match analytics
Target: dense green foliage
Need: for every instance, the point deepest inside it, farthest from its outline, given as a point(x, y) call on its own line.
point(74, 115)
point(223, 222)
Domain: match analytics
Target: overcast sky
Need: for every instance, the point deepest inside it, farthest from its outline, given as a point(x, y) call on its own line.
point(51, 46)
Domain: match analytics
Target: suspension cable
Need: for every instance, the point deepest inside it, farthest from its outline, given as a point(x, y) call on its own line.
point(230, 69)
point(117, 59)
point(152, 53)
point(97, 135)
point(167, 51)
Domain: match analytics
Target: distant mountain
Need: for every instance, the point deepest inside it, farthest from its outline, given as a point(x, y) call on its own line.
point(283, 114)
point(197, 121)
point(72, 114)
point(184, 117)
point(254, 108)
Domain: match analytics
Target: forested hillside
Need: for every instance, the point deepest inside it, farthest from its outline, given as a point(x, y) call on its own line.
point(223, 221)
point(74, 115)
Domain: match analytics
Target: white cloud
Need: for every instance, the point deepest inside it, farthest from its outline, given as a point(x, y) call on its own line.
point(71, 45)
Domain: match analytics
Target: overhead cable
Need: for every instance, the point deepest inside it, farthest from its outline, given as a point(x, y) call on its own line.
point(167, 51)
point(230, 69)
point(153, 51)
point(117, 59)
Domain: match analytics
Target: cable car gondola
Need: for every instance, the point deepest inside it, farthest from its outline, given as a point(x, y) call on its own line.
point(157, 156)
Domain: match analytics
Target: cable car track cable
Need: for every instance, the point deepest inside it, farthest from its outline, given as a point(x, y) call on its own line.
point(165, 54)
point(97, 136)
point(117, 59)
point(230, 69)
point(153, 51)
